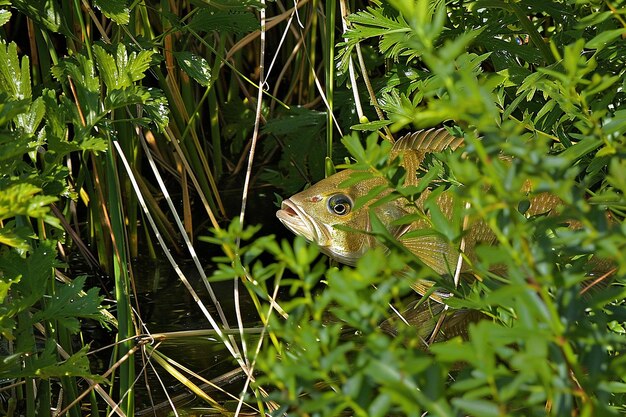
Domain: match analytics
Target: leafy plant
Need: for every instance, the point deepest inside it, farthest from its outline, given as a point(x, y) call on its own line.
point(550, 115)
point(125, 128)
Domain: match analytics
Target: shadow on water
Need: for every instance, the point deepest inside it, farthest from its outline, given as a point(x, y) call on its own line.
point(166, 306)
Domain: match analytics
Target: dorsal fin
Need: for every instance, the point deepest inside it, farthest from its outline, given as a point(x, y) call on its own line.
point(416, 145)
point(428, 140)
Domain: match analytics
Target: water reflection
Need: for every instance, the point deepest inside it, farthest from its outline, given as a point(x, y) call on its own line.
point(164, 306)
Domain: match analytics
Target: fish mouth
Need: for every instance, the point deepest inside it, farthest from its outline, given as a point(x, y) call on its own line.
point(300, 223)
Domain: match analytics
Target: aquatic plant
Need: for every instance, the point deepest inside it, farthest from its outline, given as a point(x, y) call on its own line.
point(125, 126)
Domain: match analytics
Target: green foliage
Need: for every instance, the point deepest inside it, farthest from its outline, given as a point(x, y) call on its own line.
point(231, 20)
point(44, 131)
point(116, 10)
point(537, 90)
point(299, 133)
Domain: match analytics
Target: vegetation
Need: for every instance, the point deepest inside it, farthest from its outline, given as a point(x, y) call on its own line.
point(124, 126)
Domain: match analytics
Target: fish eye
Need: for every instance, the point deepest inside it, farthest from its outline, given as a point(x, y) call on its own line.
point(339, 204)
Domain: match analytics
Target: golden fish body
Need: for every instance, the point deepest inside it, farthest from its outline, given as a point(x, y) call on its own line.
point(316, 212)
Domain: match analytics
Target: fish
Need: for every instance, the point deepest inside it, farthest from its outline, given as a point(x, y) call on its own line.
point(324, 213)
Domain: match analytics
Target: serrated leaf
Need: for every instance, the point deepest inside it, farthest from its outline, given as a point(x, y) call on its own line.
point(14, 145)
point(116, 10)
point(5, 16)
point(16, 237)
point(87, 85)
point(47, 13)
point(157, 108)
point(123, 70)
point(106, 67)
point(91, 143)
point(31, 120)
point(70, 303)
point(195, 66)
point(35, 272)
point(46, 365)
point(9, 109)
point(14, 78)
point(6, 281)
point(132, 95)
point(232, 4)
point(24, 199)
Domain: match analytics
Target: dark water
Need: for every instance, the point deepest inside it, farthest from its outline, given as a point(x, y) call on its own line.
point(166, 306)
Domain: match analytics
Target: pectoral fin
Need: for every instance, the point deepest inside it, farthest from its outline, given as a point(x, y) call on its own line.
point(434, 252)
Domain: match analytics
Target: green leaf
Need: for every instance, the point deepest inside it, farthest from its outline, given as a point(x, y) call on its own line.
point(35, 272)
point(24, 199)
point(371, 126)
point(14, 78)
point(5, 16)
point(16, 237)
point(81, 71)
point(195, 66)
point(116, 10)
point(70, 303)
point(14, 145)
point(47, 13)
point(9, 108)
point(577, 151)
point(45, 365)
point(231, 21)
point(31, 120)
point(5, 284)
point(123, 70)
point(230, 5)
point(605, 38)
point(477, 407)
point(76, 365)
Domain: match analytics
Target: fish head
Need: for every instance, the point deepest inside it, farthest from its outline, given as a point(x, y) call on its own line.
point(316, 213)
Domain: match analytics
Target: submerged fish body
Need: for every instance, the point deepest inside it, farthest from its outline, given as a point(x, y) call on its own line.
point(316, 212)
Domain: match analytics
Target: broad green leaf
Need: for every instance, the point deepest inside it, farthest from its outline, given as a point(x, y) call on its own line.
point(616, 124)
point(30, 121)
point(116, 10)
point(45, 365)
point(82, 73)
point(14, 78)
point(6, 282)
point(76, 365)
point(195, 66)
point(605, 38)
point(580, 149)
point(34, 271)
point(16, 237)
point(24, 199)
point(477, 407)
point(14, 145)
point(70, 303)
point(229, 5)
point(5, 16)
point(47, 13)
point(124, 69)
point(9, 109)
